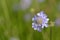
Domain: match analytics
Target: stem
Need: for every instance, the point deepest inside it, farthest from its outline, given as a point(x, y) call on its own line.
point(5, 14)
point(50, 33)
point(45, 35)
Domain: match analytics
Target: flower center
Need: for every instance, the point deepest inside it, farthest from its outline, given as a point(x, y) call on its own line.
point(39, 20)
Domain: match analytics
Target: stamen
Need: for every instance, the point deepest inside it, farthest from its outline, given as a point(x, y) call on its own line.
point(39, 20)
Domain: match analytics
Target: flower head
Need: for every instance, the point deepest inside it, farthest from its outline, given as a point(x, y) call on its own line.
point(14, 38)
point(57, 21)
point(40, 21)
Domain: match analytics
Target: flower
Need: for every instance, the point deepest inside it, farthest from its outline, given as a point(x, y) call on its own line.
point(41, 1)
point(27, 17)
point(25, 4)
point(14, 38)
point(40, 21)
point(57, 21)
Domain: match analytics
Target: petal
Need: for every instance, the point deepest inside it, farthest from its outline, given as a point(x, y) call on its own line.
point(32, 24)
point(46, 25)
point(39, 29)
point(42, 13)
point(35, 28)
point(38, 14)
point(42, 26)
point(32, 19)
point(35, 18)
point(47, 19)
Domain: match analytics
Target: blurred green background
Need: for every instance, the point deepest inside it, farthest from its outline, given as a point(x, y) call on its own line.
point(16, 15)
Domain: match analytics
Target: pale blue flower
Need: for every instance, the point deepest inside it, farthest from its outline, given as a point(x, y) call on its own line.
point(57, 21)
point(40, 21)
point(25, 4)
point(14, 38)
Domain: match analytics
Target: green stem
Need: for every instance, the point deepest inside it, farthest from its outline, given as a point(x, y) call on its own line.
point(46, 34)
point(5, 14)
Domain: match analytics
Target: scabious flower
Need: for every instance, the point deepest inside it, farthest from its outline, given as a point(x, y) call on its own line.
point(40, 21)
point(25, 4)
point(41, 1)
point(14, 38)
point(57, 21)
point(27, 17)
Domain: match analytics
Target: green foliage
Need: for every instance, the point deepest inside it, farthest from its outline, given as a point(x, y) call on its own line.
point(12, 23)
